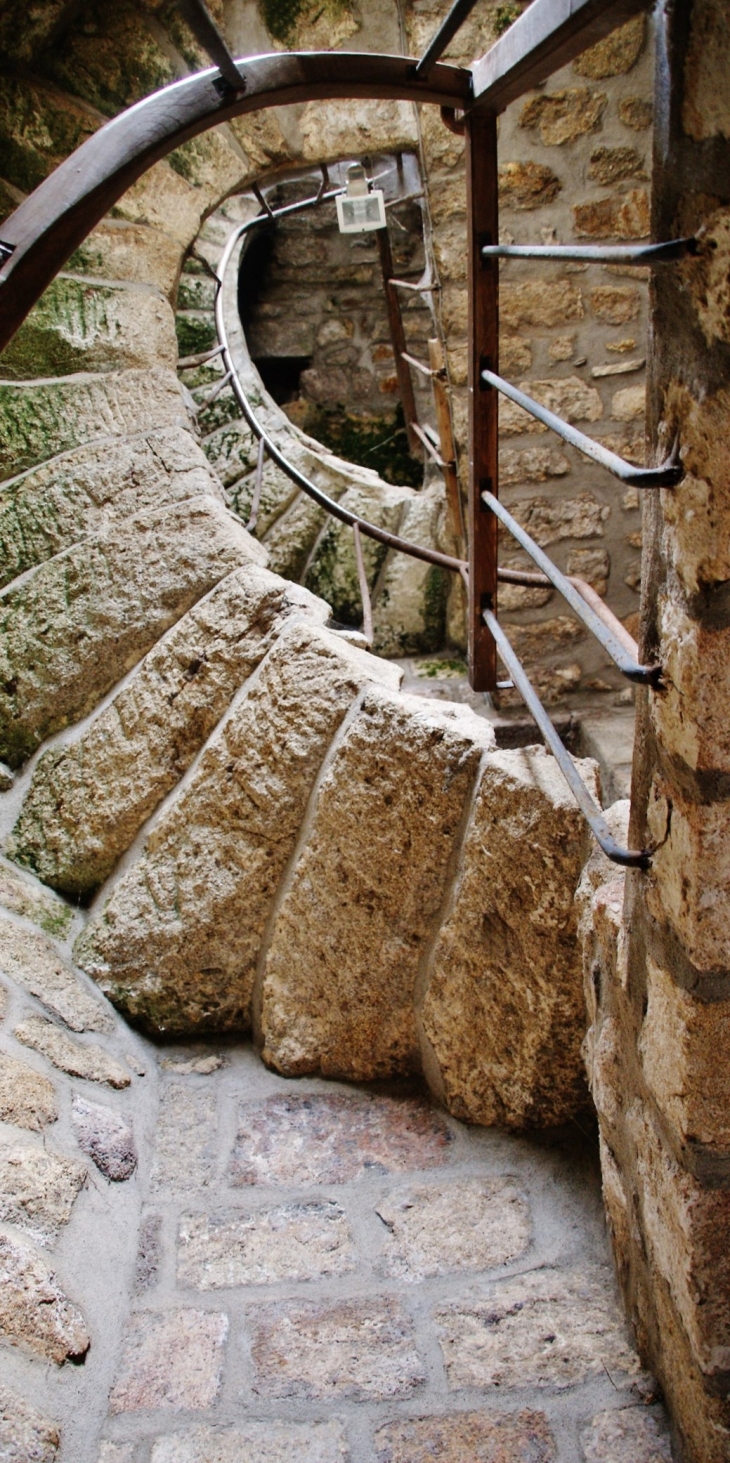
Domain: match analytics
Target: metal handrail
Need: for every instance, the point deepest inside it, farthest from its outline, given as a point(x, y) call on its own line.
point(596, 253)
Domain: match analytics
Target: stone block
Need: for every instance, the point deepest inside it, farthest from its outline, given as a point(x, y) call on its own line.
point(90, 1062)
point(219, 849)
point(40, 127)
point(490, 1054)
point(410, 608)
point(629, 405)
point(706, 109)
point(81, 326)
point(480, 1437)
point(627, 1435)
point(25, 1435)
point(568, 397)
point(338, 985)
point(120, 250)
point(332, 572)
point(293, 1242)
point(21, 894)
point(359, 1350)
point(615, 55)
point(549, 520)
point(82, 620)
point(530, 465)
point(527, 185)
point(593, 565)
point(106, 1136)
point(695, 511)
point(335, 129)
point(149, 1253)
point(474, 1224)
point(334, 1138)
point(615, 303)
point(143, 742)
point(232, 451)
point(548, 1328)
point(706, 276)
point(515, 357)
point(561, 116)
point(636, 113)
point(625, 216)
point(540, 303)
point(514, 421)
point(611, 165)
point(35, 964)
point(256, 1442)
point(187, 1139)
point(690, 717)
point(690, 883)
point(171, 1360)
point(38, 1188)
point(27, 1098)
point(35, 1315)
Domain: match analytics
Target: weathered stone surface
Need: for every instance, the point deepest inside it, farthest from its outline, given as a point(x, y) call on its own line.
point(635, 113)
point(530, 465)
point(691, 717)
point(89, 1061)
point(568, 397)
point(143, 742)
point(149, 1253)
point(199, 1066)
point(615, 303)
point(356, 1349)
point(334, 1138)
point(40, 127)
point(610, 165)
point(78, 325)
point(697, 544)
point(117, 249)
point(527, 185)
point(116, 1453)
point(34, 963)
point(293, 1242)
point(51, 507)
point(628, 1435)
point(83, 619)
point(334, 129)
point(106, 1136)
point(186, 1139)
point(171, 1360)
point(629, 404)
point(706, 111)
point(410, 609)
point(38, 1188)
point(21, 894)
point(561, 116)
point(480, 1437)
point(616, 54)
point(625, 216)
point(539, 302)
point(332, 573)
point(25, 1435)
point(40, 420)
point(469, 1225)
point(593, 565)
point(27, 1098)
point(337, 990)
point(34, 1312)
point(257, 1442)
point(493, 1057)
point(185, 959)
point(548, 1328)
point(232, 451)
point(548, 519)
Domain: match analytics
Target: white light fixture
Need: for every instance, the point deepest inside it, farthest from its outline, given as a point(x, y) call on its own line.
point(359, 209)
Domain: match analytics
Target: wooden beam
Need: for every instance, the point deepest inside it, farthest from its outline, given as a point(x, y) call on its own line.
point(446, 439)
point(548, 35)
point(483, 275)
point(398, 339)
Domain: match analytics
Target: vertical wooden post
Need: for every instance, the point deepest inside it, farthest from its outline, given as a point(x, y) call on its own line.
point(398, 339)
point(483, 277)
point(446, 438)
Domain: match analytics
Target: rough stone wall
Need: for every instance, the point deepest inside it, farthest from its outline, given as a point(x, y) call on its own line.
point(657, 964)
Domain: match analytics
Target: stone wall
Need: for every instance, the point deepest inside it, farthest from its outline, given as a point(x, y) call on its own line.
point(657, 960)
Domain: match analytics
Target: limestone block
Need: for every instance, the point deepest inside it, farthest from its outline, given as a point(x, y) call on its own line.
point(142, 743)
point(625, 216)
point(549, 520)
point(51, 507)
point(34, 1312)
point(615, 303)
point(611, 165)
point(615, 55)
point(338, 985)
point(539, 303)
point(690, 883)
point(679, 1045)
point(176, 944)
point(706, 109)
point(691, 717)
point(293, 1242)
point(291, 538)
point(351, 1349)
point(106, 1136)
point(410, 605)
point(84, 618)
point(40, 126)
point(629, 405)
point(256, 1442)
point(117, 249)
point(171, 1360)
point(40, 420)
point(530, 465)
point(89, 1061)
point(232, 451)
point(627, 1435)
point(332, 572)
point(494, 1050)
point(79, 325)
point(23, 895)
point(335, 129)
point(486, 1436)
point(477, 1224)
point(514, 421)
point(525, 185)
point(696, 510)
point(568, 397)
point(38, 1189)
point(707, 276)
point(561, 116)
point(186, 1140)
point(27, 1098)
point(34, 963)
point(332, 1138)
point(593, 565)
point(162, 199)
point(635, 113)
point(548, 1328)
point(25, 1433)
point(515, 356)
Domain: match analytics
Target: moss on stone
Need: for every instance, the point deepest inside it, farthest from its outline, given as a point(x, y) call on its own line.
point(376, 442)
point(54, 340)
point(195, 333)
point(38, 128)
point(108, 56)
point(282, 17)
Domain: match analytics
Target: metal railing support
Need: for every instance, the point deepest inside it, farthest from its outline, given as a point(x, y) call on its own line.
point(446, 438)
point(483, 278)
point(398, 338)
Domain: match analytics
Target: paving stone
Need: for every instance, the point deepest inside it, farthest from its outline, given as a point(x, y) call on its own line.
point(91, 1062)
point(549, 1328)
point(332, 1138)
point(106, 1136)
point(170, 1360)
point(22, 895)
point(149, 1253)
point(38, 1188)
point(34, 1312)
point(468, 1437)
point(627, 1435)
point(357, 1349)
point(35, 964)
point(293, 1242)
point(25, 1436)
point(186, 1139)
point(476, 1224)
point(256, 1442)
point(27, 1098)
